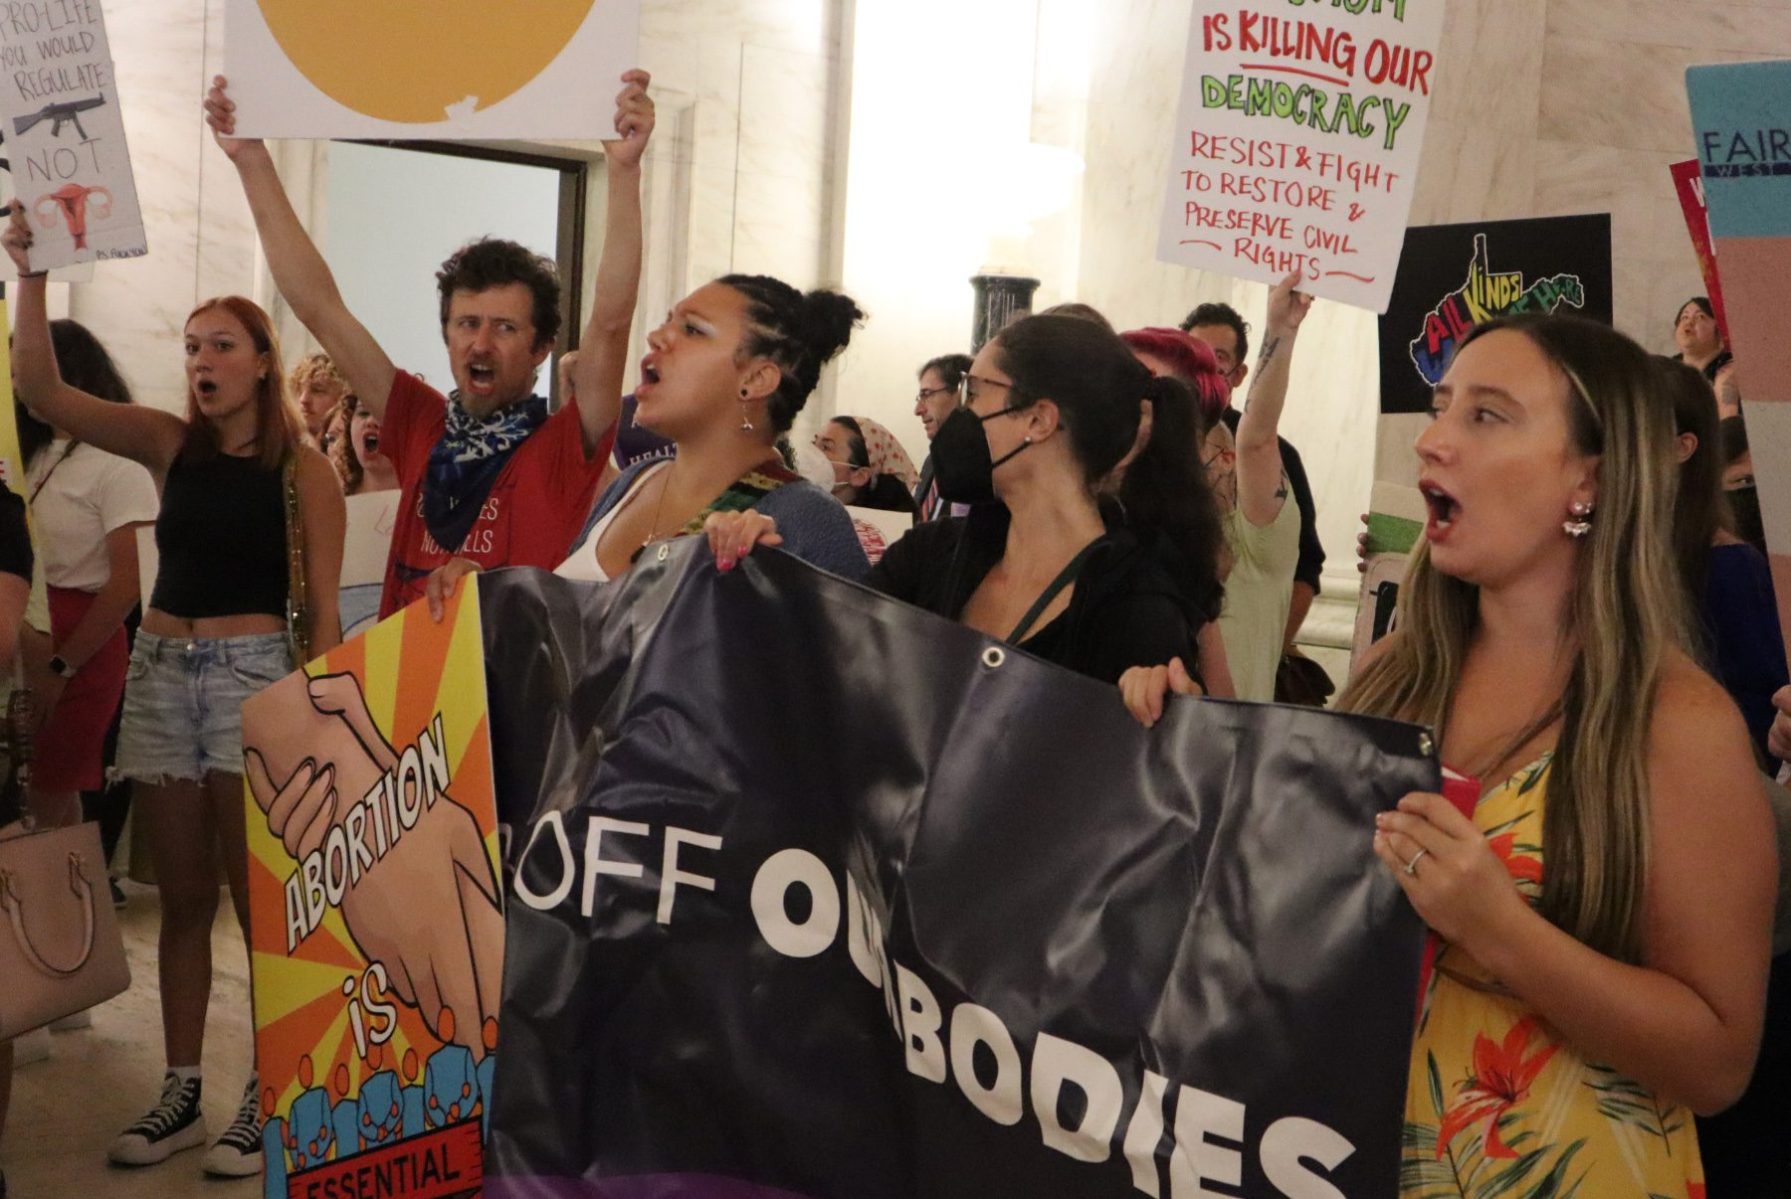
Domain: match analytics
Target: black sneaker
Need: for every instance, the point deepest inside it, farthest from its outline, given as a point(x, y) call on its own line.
point(237, 1154)
point(171, 1125)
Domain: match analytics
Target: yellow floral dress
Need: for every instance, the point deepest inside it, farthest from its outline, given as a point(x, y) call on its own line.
point(1497, 1105)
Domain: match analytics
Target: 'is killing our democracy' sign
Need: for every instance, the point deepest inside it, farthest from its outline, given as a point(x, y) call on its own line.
point(1298, 137)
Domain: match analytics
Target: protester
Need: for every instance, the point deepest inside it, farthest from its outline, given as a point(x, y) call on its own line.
point(487, 474)
point(724, 378)
point(1728, 582)
point(1738, 483)
point(1225, 330)
point(356, 455)
point(215, 631)
point(15, 590)
point(316, 388)
point(87, 506)
point(1262, 531)
point(1177, 355)
point(940, 380)
point(1699, 339)
point(1050, 407)
point(869, 469)
point(1080, 311)
point(1606, 911)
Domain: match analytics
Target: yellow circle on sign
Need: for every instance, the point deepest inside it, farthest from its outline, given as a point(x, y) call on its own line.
point(411, 60)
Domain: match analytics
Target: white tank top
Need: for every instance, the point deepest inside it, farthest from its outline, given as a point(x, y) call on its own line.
point(583, 564)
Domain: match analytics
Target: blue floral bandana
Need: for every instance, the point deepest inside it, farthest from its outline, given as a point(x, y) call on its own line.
point(467, 461)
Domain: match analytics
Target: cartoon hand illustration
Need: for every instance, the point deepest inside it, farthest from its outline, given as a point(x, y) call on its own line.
point(324, 769)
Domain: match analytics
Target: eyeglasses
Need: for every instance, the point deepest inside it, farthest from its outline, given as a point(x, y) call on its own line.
point(965, 395)
point(927, 393)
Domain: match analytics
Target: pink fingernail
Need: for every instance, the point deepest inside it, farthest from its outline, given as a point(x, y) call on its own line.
point(725, 564)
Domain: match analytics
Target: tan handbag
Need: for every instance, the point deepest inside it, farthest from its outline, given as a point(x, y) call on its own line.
point(60, 948)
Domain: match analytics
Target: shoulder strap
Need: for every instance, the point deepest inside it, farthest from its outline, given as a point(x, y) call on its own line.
point(298, 615)
point(1064, 578)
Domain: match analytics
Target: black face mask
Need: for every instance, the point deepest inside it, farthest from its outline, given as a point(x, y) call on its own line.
point(962, 467)
point(1744, 505)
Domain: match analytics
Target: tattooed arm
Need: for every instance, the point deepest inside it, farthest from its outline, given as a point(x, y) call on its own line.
point(1262, 487)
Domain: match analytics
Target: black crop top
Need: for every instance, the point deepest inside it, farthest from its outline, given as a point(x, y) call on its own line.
point(222, 540)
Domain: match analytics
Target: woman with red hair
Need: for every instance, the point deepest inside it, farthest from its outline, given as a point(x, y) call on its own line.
point(214, 632)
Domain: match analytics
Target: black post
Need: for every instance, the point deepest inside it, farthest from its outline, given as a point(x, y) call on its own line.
point(999, 299)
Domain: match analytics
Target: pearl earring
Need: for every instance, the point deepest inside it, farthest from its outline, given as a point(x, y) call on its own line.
point(1581, 524)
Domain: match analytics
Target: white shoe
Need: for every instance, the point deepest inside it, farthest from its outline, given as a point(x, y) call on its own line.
point(237, 1153)
point(173, 1124)
point(33, 1046)
point(71, 1023)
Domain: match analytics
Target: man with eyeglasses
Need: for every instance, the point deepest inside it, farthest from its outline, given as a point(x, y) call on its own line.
point(940, 381)
point(1228, 335)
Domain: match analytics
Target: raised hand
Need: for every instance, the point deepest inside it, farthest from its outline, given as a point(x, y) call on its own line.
point(18, 237)
point(634, 122)
point(1287, 306)
point(220, 114)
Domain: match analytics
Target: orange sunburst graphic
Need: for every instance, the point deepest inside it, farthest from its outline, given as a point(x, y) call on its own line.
point(348, 974)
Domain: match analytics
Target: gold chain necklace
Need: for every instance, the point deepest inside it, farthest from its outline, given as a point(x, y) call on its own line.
point(665, 485)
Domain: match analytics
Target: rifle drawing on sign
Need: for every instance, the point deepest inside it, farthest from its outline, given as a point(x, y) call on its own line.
point(59, 115)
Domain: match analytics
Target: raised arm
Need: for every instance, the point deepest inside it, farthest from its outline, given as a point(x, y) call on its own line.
point(144, 434)
point(1262, 486)
point(603, 350)
point(300, 272)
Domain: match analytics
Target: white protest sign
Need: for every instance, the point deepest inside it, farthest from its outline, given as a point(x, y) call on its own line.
point(1297, 141)
point(59, 109)
point(440, 69)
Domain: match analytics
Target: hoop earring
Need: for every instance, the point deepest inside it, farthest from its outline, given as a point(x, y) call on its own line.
point(1581, 524)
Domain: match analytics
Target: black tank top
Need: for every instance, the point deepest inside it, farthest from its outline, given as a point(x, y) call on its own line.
point(222, 540)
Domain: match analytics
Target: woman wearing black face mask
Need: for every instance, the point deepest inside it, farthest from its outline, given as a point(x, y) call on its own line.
point(1048, 408)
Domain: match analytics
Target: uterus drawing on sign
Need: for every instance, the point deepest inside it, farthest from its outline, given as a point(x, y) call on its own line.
point(75, 203)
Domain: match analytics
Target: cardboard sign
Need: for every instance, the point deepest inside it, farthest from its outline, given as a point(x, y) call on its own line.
point(442, 69)
point(1298, 139)
point(1688, 181)
point(376, 933)
point(1741, 117)
point(1454, 277)
point(65, 133)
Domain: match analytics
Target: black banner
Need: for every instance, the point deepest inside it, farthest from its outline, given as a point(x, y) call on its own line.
point(1453, 277)
point(815, 894)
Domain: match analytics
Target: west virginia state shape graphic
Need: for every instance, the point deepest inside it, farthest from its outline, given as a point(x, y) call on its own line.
point(411, 60)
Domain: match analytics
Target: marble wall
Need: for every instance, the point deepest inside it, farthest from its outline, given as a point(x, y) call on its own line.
point(1542, 107)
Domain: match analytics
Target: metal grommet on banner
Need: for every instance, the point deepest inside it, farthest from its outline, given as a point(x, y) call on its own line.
point(994, 657)
point(665, 551)
point(1425, 744)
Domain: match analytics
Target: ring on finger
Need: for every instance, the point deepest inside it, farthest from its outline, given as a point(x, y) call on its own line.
point(1411, 867)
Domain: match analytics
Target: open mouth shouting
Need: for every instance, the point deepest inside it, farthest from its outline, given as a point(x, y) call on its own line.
point(1444, 509)
point(481, 377)
point(649, 376)
point(205, 389)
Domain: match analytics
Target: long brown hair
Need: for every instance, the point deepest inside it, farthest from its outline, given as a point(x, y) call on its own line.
point(1701, 510)
point(279, 431)
point(1624, 615)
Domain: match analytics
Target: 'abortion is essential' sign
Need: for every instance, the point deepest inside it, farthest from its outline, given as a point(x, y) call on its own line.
point(1298, 137)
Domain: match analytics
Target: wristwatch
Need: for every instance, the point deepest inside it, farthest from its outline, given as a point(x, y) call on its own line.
point(59, 666)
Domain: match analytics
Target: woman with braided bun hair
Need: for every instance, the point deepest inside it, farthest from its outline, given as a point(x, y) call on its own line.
point(1047, 410)
point(724, 377)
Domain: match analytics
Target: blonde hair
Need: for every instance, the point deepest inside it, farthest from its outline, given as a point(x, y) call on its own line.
point(311, 367)
point(279, 432)
point(1624, 616)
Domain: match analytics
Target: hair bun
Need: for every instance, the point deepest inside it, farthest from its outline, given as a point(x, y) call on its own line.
point(825, 324)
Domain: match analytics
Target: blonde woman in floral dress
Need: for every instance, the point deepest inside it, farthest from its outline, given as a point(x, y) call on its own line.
point(1605, 915)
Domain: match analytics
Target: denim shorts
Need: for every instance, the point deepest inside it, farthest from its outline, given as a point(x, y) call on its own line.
point(183, 700)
